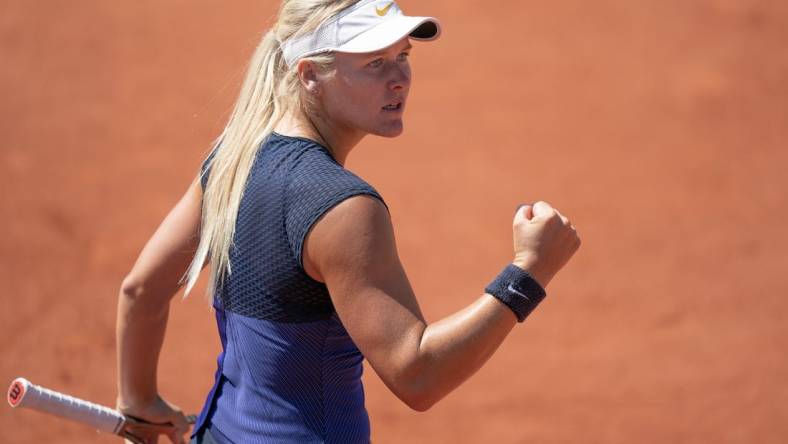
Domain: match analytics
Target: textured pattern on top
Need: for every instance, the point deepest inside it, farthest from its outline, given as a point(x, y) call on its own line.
point(293, 182)
point(289, 383)
point(288, 371)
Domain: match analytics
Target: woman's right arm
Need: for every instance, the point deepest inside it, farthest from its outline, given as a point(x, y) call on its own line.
point(352, 250)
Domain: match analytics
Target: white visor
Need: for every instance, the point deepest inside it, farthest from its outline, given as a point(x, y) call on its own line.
point(368, 26)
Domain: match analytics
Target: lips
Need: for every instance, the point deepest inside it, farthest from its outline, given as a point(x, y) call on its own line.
point(394, 106)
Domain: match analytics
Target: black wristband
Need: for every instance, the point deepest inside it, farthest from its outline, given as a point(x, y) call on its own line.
point(518, 290)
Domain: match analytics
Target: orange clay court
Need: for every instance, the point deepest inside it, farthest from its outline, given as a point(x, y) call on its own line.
point(659, 127)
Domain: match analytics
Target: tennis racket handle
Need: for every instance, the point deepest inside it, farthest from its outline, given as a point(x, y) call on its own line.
point(23, 393)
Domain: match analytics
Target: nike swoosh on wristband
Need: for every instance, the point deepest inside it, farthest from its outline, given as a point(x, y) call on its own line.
point(384, 11)
point(513, 290)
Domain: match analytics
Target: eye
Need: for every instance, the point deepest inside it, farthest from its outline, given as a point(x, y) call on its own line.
point(403, 56)
point(375, 63)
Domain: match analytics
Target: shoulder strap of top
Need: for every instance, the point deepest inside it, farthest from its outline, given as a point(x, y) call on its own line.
point(316, 186)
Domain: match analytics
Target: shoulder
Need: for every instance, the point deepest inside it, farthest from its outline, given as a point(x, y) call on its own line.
point(315, 178)
point(316, 185)
point(315, 170)
point(348, 236)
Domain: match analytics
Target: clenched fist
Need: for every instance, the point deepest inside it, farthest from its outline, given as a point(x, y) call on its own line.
point(544, 241)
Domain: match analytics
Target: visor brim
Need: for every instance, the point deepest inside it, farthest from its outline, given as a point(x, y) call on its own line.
point(391, 31)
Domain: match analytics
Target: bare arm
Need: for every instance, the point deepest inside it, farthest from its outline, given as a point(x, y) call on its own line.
point(143, 305)
point(352, 250)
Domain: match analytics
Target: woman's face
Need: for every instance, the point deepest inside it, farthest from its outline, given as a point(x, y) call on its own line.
point(367, 92)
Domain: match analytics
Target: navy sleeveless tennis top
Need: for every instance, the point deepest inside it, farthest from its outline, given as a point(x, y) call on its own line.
point(288, 371)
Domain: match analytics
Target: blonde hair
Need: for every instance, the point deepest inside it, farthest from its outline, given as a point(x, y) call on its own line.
point(269, 91)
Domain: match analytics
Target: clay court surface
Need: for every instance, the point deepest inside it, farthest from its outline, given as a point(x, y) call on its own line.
point(658, 127)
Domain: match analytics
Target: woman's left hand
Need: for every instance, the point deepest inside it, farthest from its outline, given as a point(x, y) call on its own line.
point(160, 418)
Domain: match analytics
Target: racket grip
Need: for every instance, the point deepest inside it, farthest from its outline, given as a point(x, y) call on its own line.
point(23, 393)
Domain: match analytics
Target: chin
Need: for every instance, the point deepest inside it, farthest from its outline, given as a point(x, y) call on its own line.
point(393, 129)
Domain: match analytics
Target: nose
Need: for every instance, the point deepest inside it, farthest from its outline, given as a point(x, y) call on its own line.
point(399, 77)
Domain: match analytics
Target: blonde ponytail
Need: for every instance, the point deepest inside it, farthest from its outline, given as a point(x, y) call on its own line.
point(268, 92)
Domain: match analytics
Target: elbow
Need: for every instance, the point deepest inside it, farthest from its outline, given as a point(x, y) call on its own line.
point(420, 403)
point(132, 289)
point(416, 390)
point(418, 397)
point(135, 290)
point(136, 294)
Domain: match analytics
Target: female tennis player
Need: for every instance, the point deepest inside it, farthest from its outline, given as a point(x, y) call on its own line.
point(305, 277)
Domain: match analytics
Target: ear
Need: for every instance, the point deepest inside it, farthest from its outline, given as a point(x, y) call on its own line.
point(308, 76)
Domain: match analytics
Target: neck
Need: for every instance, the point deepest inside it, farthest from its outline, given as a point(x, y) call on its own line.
point(339, 140)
